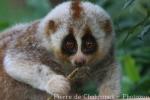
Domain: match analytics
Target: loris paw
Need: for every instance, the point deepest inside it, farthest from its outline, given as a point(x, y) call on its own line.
point(58, 85)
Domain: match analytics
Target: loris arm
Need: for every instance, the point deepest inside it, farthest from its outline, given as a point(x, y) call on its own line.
point(21, 67)
point(111, 84)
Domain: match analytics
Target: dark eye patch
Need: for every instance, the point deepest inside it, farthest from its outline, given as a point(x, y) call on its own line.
point(89, 44)
point(69, 45)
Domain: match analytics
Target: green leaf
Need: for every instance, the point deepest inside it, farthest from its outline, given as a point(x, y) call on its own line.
point(128, 3)
point(126, 84)
point(142, 88)
point(131, 68)
point(144, 32)
point(3, 24)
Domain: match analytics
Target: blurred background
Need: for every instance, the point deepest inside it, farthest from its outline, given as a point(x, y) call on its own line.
point(132, 24)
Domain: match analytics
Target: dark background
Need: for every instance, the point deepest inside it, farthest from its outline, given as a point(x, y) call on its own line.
point(132, 24)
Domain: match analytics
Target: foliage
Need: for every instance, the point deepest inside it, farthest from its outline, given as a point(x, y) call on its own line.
point(132, 24)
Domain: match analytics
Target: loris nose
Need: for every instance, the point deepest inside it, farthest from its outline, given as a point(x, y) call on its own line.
point(80, 62)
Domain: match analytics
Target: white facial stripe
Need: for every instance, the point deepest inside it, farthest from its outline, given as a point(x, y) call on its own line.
point(79, 42)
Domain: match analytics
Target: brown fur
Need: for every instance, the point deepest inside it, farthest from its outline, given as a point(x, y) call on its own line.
point(51, 28)
point(87, 30)
point(11, 89)
point(61, 56)
point(8, 37)
point(71, 30)
point(106, 26)
point(76, 9)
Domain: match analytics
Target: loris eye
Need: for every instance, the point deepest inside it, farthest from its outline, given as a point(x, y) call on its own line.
point(69, 45)
point(89, 44)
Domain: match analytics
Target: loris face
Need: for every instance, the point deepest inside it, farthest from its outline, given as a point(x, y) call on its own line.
point(78, 33)
point(79, 48)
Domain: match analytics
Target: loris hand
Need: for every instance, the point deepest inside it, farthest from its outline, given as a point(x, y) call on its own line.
point(58, 85)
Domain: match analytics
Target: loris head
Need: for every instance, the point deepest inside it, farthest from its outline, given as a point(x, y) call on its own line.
point(79, 33)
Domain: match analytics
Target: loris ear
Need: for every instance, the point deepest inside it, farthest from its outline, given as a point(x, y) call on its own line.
point(50, 27)
point(106, 26)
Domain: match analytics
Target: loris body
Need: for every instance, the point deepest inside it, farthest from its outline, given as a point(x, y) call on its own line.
point(42, 53)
